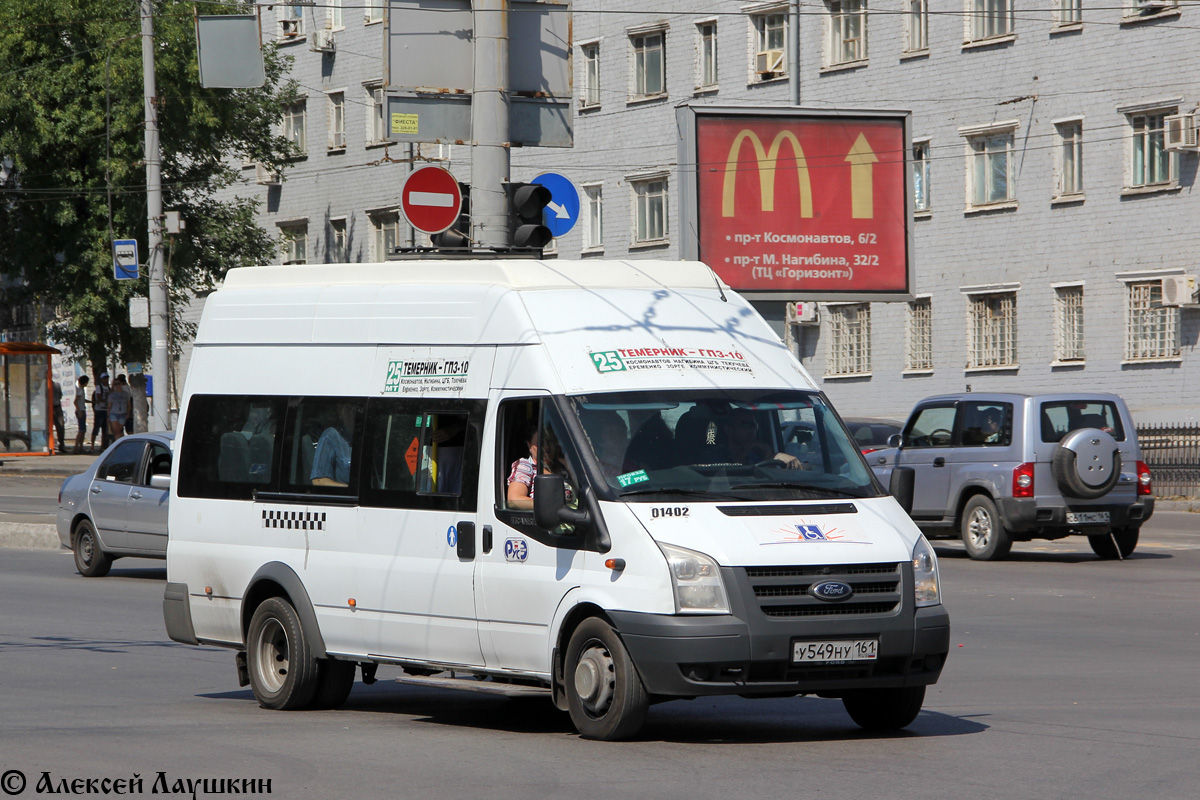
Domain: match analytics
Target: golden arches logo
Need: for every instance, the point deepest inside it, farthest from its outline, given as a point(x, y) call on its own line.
point(767, 162)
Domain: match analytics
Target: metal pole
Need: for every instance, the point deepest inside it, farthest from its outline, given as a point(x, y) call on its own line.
point(489, 125)
point(793, 52)
point(160, 364)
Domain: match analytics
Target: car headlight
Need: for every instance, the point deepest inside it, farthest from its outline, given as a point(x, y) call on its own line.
point(926, 584)
point(696, 579)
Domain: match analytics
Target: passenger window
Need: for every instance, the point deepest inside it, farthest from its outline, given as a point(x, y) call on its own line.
point(933, 427)
point(1060, 418)
point(421, 454)
point(159, 463)
point(519, 466)
point(230, 446)
point(987, 424)
point(321, 435)
point(121, 466)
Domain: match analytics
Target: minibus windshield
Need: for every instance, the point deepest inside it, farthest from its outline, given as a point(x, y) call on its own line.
point(722, 445)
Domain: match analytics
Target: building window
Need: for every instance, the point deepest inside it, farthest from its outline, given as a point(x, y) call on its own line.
point(990, 18)
point(650, 199)
point(339, 252)
point(291, 21)
point(372, 13)
point(593, 217)
point(337, 19)
point(294, 238)
point(993, 330)
point(770, 45)
point(847, 31)
point(649, 65)
point(1150, 163)
point(920, 170)
point(850, 339)
point(1068, 323)
point(989, 164)
point(589, 96)
point(706, 55)
point(916, 26)
point(1146, 8)
point(385, 234)
point(294, 117)
point(337, 120)
point(1152, 331)
point(376, 101)
point(1068, 167)
point(1069, 12)
point(918, 351)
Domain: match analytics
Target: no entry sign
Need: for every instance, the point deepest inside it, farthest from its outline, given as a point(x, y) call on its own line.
point(430, 199)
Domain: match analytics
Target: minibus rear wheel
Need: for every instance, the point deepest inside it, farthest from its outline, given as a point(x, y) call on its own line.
point(605, 694)
point(884, 709)
point(283, 671)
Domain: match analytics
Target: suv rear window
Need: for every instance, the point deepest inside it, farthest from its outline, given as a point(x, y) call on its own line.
point(1061, 417)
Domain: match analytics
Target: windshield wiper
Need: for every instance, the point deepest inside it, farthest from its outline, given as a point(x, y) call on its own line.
point(805, 487)
point(686, 492)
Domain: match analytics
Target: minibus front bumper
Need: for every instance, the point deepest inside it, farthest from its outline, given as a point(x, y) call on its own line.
point(751, 650)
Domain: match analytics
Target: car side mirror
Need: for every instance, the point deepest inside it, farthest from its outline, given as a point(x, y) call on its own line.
point(901, 486)
point(160, 481)
point(550, 506)
point(895, 440)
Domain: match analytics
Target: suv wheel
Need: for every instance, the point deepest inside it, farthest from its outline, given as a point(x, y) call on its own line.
point(983, 532)
point(1118, 544)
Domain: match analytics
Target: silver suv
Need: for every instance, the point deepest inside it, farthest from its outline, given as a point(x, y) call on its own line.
point(998, 468)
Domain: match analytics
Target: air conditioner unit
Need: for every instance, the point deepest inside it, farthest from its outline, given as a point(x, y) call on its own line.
point(1181, 132)
point(265, 177)
point(1179, 290)
point(1153, 5)
point(289, 27)
point(768, 62)
point(322, 41)
point(800, 313)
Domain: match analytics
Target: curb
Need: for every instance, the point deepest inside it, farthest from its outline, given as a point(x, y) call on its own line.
point(29, 536)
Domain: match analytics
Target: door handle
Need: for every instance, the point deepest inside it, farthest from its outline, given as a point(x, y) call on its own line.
point(96, 490)
point(135, 495)
point(939, 462)
point(466, 540)
point(487, 538)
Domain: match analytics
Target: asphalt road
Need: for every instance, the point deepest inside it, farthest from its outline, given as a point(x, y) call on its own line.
point(1069, 677)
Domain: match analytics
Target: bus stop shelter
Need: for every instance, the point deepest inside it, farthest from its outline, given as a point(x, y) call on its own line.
point(26, 399)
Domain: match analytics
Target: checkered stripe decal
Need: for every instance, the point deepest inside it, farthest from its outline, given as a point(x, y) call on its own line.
point(294, 520)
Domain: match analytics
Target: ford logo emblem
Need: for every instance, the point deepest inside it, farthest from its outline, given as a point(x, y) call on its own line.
point(831, 591)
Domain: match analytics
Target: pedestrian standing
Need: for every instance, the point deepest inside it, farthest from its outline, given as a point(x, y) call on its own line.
point(60, 445)
point(100, 412)
point(119, 402)
point(81, 404)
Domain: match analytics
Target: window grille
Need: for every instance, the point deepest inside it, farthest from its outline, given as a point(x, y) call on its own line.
point(1068, 323)
point(850, 339)
point(919, 350)
point(993, 327)
point(1152, 331)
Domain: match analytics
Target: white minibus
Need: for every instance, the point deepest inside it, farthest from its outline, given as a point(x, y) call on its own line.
point(607, 482)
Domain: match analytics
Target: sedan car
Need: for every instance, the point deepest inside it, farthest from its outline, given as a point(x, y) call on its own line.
point(118, 506)
point(872, 433)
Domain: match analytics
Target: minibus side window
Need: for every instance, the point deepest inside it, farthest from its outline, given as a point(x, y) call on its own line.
point(322, 434)
point(230, 446)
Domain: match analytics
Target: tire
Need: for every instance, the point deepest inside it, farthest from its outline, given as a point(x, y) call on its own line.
point(605, 694)
point(1126, 541)
point(884, 709)
point(983, 531)
point(283, 671)
point(335, 679)
point(1064, 465)
point(90, 560)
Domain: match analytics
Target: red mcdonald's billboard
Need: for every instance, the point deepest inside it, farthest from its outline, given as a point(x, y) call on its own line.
point(813, 204)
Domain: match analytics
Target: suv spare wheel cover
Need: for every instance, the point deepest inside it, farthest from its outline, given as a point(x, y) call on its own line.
point(1087, 463)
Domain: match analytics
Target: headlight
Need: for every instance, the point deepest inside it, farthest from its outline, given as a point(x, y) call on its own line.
point(926, 585)
point(696, 580)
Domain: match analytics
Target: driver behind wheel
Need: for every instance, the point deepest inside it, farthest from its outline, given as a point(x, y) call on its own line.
point(739, 434)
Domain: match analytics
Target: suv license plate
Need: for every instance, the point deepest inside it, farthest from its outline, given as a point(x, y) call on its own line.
point(1087, 517)
point(835, 652)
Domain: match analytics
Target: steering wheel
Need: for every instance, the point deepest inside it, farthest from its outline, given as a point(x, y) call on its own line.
point(940, 436)
point(772, 462)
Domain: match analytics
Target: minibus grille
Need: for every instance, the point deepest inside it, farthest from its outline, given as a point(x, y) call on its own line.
point(784, 591)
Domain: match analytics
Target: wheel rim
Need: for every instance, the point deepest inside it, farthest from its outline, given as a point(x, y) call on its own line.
point(979, 529)
point(87, 547)
point(595, 679)
point(271, 665)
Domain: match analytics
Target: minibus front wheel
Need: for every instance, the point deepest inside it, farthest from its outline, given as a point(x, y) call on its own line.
point(283, 671)
point(605, 694)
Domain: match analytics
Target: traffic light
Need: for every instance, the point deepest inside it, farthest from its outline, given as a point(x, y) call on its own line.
point(458, 235)
point(526, 229)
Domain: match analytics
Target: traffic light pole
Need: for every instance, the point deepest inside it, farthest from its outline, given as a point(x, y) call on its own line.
point(490, 163)
point(160, 417)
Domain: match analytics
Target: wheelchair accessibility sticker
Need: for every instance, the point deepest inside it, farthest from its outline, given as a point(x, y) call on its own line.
point(804, 533)
point(516, 550)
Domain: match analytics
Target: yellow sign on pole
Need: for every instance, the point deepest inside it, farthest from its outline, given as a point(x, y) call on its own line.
point(405, 123)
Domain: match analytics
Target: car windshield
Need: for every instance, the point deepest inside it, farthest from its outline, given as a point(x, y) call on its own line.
point(722, 445)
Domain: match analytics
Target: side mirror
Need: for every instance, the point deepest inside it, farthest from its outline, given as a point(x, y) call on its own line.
point(901, 486)
point(549, 503)
point(160, 481)
point(895, 440)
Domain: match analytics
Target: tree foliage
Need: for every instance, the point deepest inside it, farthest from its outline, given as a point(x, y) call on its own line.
point(71, 143)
